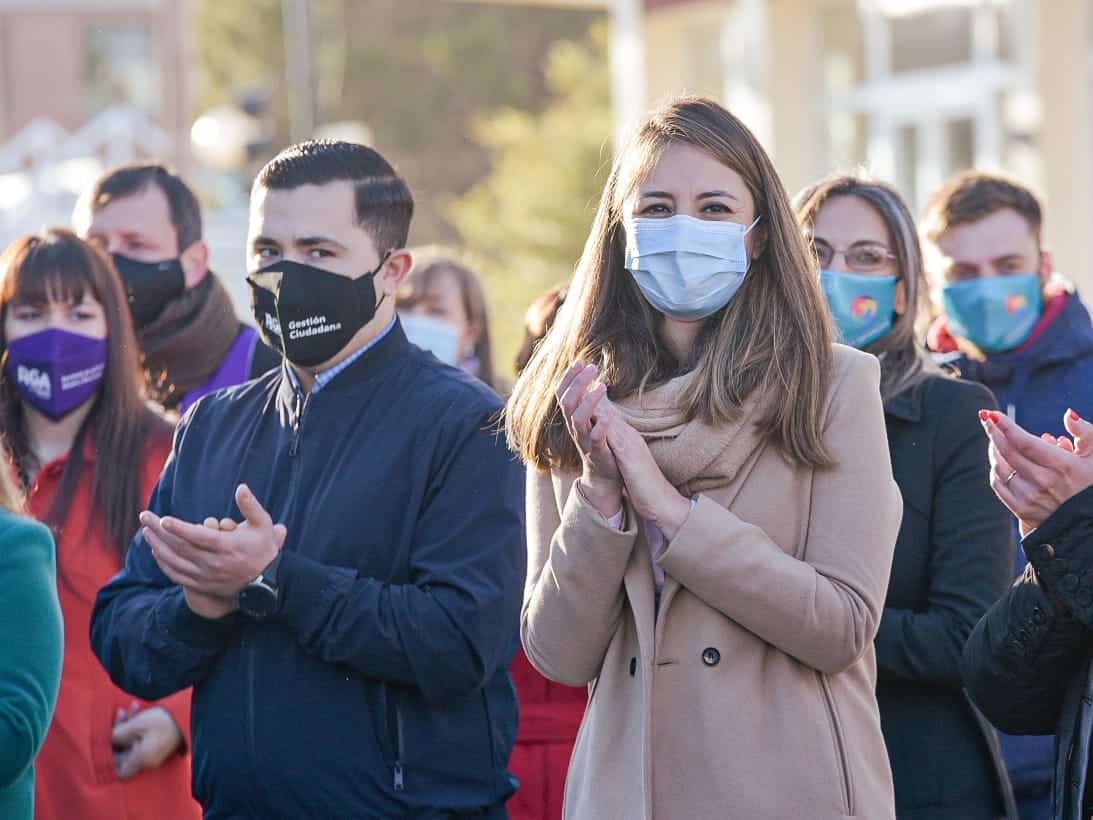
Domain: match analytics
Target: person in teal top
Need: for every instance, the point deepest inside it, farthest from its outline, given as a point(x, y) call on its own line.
point(30, 649)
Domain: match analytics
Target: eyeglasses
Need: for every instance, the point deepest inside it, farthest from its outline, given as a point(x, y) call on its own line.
point(861, 257)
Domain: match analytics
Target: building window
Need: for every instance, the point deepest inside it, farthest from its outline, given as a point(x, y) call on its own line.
point(703, 72)
point(1008, 32)
point(121, 68)
point(931, 39)
point(960, 136)
point(843, 54)
point(907, 163)
point(847, 137)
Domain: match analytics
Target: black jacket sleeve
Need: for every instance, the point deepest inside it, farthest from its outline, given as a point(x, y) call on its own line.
point(142, 631)
point(1025, 652)
point(450, 629)
point(971, 548)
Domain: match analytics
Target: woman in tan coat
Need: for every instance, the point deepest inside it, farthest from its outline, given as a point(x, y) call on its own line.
point(711, 508)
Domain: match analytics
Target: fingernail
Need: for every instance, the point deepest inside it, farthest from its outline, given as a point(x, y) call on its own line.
point(983, 415)
point(1074, 415)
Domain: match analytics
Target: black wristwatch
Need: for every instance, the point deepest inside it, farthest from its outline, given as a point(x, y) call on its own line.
point(258, 599)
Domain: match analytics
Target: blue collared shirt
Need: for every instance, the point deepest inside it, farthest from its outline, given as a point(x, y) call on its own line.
point(327, 376)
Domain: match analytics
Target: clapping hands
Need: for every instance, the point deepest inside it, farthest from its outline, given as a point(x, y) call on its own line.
point(1034, 476)
point(615, 458)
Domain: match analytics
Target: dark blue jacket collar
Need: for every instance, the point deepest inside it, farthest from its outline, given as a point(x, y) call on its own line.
point(1068, 338)
point(392, 347)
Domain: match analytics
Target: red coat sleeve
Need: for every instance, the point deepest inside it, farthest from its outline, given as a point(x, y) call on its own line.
point(177, 705)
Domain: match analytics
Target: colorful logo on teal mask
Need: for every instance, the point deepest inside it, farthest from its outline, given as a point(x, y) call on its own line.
point(1015, 303)
point(863, 309)
point(862, 306)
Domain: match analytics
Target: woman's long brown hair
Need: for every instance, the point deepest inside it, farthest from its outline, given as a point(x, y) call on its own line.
point(775, 336)
point(59, 266)
point(11, 498)
point(904, 361)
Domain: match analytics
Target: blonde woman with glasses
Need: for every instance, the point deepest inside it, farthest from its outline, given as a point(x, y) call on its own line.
point(954, 554)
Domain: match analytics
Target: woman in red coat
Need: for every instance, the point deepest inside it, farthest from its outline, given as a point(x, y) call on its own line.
point(88, 451)
point(550, 714)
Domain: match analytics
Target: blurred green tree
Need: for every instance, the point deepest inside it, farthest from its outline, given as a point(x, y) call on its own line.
point(417, 72)
point(527, 221)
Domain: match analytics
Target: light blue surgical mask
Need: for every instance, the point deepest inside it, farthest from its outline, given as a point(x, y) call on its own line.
point(687, 268)
point(863, 307)
point(995, 313)
point(439, 337)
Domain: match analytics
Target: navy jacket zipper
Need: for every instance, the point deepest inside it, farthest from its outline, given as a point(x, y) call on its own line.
point(400, 783)
point(300, 411)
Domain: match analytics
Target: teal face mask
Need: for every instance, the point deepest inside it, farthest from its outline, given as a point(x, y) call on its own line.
point(862, 306)
point(995, 313)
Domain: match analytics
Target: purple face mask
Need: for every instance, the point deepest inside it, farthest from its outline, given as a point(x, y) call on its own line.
point(55, 371)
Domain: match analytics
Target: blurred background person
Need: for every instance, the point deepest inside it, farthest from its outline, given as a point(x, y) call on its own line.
point(31, 636)
point(443, 310)
point(550, 713)
point(191, 341)
point(953, 557)
point(1011, 323)
point(537, 321)
point(88, 450)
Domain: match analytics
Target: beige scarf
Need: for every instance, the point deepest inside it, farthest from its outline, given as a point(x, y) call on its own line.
point(692, 454)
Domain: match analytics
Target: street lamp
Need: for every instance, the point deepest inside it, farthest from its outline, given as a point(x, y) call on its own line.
point(223, 137)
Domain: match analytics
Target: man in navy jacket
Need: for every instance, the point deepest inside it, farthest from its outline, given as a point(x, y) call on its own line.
point(1010, 323)
point(349, 660)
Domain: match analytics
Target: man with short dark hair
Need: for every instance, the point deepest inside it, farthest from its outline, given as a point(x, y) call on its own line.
point(1009, 322)
point(191, 341)
point(351, 659)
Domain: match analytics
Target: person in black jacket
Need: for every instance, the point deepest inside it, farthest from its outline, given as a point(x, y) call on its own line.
point(1028, 662)
point(951, 560)
point(351, 659)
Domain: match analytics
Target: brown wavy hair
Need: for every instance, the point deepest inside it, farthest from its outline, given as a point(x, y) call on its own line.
point(537, 321)
point(11, 497)
point(904, 361)
point(59, 266)
point(775, 336)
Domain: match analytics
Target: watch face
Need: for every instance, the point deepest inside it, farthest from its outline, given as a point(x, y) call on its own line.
point(258, 600)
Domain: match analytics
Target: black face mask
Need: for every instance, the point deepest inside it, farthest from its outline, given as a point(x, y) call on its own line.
point(313, 313)
point(263, 305)
point(150, 286)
